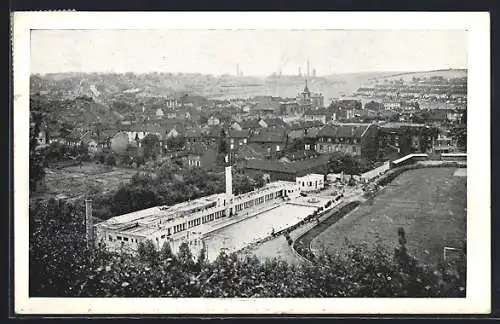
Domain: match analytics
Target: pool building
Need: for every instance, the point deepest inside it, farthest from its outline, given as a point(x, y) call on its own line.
point(187, 221)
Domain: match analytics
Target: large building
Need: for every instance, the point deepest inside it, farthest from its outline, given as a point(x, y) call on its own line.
point(187, 221)
point(348, 138)
point(406, 138)
point(310, 99)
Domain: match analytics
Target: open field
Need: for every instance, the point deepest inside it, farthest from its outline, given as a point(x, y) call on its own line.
point(75, 181)
point(430, 204)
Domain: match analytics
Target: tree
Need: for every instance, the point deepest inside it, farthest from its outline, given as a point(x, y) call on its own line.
point(176, 143)
point(147, 252)
point(111, 161)
point(36, 158)
point(137, 139)
point(166, 252)
point(185, 256)
point(151, 146)
point(223, 147)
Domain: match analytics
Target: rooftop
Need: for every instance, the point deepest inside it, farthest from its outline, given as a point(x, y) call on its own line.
point(344, 130)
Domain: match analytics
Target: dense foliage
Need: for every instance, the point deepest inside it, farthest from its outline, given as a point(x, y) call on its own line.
point(36, 156)
point(167, 184)
point(348, 164)
point(61, 265)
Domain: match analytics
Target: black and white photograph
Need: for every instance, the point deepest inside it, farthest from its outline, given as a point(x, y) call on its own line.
point(214, 164)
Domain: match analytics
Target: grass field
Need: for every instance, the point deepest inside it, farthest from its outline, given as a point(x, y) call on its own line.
point(75, 180)
point(430, 204)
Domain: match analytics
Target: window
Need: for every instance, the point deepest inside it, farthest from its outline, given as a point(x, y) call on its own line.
point(125, 238)
point(277, 148)
point(110, 238)
point(119, 238)
point(163, 236)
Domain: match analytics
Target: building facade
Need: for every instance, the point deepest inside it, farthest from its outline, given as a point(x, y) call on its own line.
point(353, 139)
point(185, 222)
point(310, 182)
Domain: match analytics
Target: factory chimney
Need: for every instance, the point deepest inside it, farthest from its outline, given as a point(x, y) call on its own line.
point(307, 68)
point(229, 179)
point(89, 226)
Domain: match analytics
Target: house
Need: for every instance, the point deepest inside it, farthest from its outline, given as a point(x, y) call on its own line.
point(343, 114)
point(120, 142)
point(310, 182)
point(104, 138)
point(252, 125)
point(271, 141)
point(454, 115)
point(52, 136)
point(92, 145)
point(262, 123)
point(322, 115)
point(77, 136)
point(348, 138)
point(236, 126)
point(296, 130)
point(171, 114)
point(291, 108)
point(171, 131)
point(213, 121)
point(275, 123)
point(345, 104)
point(437, 117)
point(195, 136)
point(287, 171)
point(444, 144)
point(159, 113)
point(405, 138)
point(299, 129)
point(299, 155)
point(203, 156)
point(238, 138)
point(137, 132)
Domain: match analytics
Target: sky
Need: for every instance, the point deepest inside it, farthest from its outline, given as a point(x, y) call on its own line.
point(257, 52)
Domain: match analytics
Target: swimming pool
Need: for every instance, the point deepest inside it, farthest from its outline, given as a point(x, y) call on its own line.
point(238, 235)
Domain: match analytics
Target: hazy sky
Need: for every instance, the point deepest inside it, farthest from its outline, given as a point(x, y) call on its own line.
point(259, 52)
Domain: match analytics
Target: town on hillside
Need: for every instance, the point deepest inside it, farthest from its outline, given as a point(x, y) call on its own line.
point(302, 184)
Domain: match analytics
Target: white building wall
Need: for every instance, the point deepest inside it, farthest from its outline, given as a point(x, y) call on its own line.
point(181, 229)
point(310, 182)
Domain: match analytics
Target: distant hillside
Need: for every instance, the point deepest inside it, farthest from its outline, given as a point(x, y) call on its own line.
point(102, 85)
point(408, 76)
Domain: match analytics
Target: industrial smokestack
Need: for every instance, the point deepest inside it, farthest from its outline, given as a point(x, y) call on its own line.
point(89, 230)
point(308, 68)
point(229, 182)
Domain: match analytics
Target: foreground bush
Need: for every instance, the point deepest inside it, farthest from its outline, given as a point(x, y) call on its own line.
point(61, 265)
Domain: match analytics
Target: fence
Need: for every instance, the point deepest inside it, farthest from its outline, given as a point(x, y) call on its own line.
point(376, 172)
point(408, 159)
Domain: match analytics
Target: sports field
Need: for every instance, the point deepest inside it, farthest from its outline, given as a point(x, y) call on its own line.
point(430, 204)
